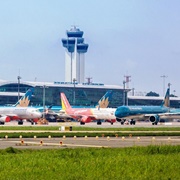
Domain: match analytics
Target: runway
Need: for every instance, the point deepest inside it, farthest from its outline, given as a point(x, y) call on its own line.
point(96, 142)
point(94, 124)
point(79, 142)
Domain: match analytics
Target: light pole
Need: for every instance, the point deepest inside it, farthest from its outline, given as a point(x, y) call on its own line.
point(74, 95)
point(19, 77)
point(44, 96)
point(124, 82)
point(164, 76)
point(133, 91)
point(174, 91)
point(169, 85)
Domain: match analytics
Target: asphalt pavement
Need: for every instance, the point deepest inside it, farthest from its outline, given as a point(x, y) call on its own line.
point(79, 142)
point(97, 142)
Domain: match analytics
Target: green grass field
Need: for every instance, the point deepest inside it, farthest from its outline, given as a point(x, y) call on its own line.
point(134, 163)
point(87, 131)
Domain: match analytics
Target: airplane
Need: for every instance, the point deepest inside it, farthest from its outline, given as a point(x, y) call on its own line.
point(20, 111)
point(52, 113)
point(86, 115)
point(153, 113)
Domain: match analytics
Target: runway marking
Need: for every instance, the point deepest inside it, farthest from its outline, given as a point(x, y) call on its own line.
point(126, 139)
point(55, 144)
point(108, 131)
point(82, 142)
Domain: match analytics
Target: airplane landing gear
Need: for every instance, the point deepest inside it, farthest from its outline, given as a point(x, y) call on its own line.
point(132, 122)
point(82, 123)
point(122, 122)
point(20, 122)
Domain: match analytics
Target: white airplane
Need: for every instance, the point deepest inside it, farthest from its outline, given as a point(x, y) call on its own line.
point(20, 110)
point(18, 113)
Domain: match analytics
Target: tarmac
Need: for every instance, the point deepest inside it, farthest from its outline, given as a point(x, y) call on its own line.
point(88, 142)
point(103, 125)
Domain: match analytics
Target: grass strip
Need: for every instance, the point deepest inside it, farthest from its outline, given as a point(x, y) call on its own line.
point(83, 134)
point(142, 163)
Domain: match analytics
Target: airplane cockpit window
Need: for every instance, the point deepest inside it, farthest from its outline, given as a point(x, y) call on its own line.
point(37, 110)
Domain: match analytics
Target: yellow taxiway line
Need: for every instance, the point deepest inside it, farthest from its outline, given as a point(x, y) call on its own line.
point(20, 143)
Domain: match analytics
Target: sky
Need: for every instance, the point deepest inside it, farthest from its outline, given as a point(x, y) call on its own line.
point(137, 38)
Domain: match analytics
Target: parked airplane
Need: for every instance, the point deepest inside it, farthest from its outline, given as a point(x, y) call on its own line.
point(57, 113)
point(20, 110)
point(18, 113)
point(153, 113)
point(85, 115)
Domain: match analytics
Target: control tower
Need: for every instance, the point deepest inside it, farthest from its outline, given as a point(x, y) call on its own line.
point(74, 55)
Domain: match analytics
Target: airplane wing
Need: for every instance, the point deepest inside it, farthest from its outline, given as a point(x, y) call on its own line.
point(167, 115)
point(58, 115)
point(155, 118)
point(148, 115)
point(9, 114)
point(170, 115)
point(84, 118)
point(89, 116)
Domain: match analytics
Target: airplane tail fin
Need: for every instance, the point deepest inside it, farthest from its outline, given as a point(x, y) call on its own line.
point(104, 101)
point(24, 100)
point(166, 101)
point(64, 102)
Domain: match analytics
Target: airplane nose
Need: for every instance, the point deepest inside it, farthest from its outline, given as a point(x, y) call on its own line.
point(120, 112)
point(117, 112)
point(41, 115)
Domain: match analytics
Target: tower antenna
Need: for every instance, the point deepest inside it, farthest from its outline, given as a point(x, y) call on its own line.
point(89, 80)
point(127, 80)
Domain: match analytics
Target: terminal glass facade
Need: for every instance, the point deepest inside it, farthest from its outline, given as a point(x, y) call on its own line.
point(77, 96)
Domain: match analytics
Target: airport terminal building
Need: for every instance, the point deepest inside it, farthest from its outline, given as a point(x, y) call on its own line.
point(84, 94)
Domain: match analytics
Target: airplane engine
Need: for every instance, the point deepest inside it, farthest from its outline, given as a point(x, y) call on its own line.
point(111, 120)
point(154, 119)
point(4, 119)
point(86, 119)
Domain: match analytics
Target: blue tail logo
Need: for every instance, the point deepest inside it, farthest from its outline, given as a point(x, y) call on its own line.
point(104, 101)
point(24, 101)
point(166, 98)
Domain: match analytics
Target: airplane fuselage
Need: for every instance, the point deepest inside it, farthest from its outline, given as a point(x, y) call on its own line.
point(93, 113)
point(20, 112)
point(104, 113)
point(139, 111)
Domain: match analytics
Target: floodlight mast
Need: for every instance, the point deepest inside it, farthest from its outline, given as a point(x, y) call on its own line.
point(18, 77)
point(164, 77)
